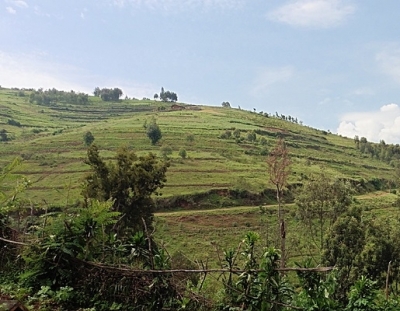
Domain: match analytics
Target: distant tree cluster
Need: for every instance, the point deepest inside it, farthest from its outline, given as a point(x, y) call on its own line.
point(167, 96)
point(226, 105)
point(108, 94)
point(52, 96)
point(286, 118)
point(385, 152)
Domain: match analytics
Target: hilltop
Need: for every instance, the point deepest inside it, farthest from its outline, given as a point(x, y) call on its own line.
point(226, 147)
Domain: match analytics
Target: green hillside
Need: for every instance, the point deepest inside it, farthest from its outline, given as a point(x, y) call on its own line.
point(49, 139)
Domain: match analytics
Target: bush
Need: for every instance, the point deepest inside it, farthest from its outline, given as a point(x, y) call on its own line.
point(13, 122)
point(226, 135)
point(88, 138)
point(190, 138)
point(182, 153)
point(251, 136)
point(166, 151)
point(153, 132)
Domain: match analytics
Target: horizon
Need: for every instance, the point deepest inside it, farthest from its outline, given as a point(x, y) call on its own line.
point(333, 64)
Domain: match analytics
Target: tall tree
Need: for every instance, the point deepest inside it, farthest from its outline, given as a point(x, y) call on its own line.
point(129, 181)
point(320, 202)
point(344, 243)
point(279, 168)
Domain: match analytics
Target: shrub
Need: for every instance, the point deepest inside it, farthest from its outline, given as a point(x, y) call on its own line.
point(13, 122)
point(166, 151)
point(182, 153)
point(153, 132)
point(88, 138)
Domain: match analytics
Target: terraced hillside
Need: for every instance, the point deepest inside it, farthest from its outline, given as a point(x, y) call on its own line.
point(49, 139)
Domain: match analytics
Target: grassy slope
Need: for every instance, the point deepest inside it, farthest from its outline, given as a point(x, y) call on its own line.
point(54, 156)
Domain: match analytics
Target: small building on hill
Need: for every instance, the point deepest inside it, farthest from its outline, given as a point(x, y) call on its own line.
point(177, 107)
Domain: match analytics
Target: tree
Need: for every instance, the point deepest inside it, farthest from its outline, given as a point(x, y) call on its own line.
point(155, 96)
point(108, 94)
point(226, 105)
point(88, 138)
point(278, 169)
point(129, 181)
point(153, 132)
point(166, 96)
point(183, 153)
point(252, 136)
point(3, 135)
point(166, 151)
point(97, 91)
point(320, 202)
point(190, 138)
point(344, 242)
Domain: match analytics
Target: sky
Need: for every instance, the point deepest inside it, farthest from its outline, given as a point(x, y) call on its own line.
point(333, 64)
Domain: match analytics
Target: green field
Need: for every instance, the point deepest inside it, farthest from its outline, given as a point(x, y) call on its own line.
point(49, 139)
point(212, 198)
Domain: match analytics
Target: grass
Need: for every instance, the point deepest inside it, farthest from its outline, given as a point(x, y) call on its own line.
point(50, 140)
point(202, 234)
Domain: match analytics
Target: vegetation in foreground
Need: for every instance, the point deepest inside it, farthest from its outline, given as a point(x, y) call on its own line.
point(102, 254)
point(103, 250)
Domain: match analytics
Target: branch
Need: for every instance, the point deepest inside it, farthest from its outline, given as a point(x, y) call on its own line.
point(13, 242)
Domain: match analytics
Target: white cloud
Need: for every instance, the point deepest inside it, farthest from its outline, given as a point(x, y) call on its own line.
point(83, 13)
point(18, 3)
point(375, 125)
point(11, 10)
point(363, 91)
point(271, 76)
point(179, 5)
point(389, 61)
point(313, 13)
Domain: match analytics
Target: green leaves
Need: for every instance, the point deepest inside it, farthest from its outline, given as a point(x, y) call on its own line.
point(129, 181)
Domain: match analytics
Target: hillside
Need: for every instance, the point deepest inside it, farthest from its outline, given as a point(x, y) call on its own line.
point(49, 138)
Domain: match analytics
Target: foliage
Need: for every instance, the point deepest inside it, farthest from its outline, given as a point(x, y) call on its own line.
point(362, 296)
point(226, 105)
point(166, 151)
point(344, 242)
point(252, 136)
point(13, 122)
point(190, 137)
point(320, 202)
point(153, 132)
point(88, 138)
point(108, 94)
point(183, 153)
point(166, 96)
point(317, 291)
point(381, 250)
point(236, 133)
point(51, 96)
point(3, 135)
point(130, 182)
point(260, 286)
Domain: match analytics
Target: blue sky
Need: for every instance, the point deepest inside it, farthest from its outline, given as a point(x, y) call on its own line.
point(334, 64)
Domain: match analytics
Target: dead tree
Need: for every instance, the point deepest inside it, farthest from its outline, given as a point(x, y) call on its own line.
point(278, 163)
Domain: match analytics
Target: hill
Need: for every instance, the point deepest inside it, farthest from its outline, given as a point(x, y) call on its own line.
point(226, 148)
